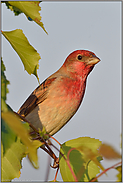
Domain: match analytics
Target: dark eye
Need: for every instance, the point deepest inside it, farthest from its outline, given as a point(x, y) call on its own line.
point(79, 57)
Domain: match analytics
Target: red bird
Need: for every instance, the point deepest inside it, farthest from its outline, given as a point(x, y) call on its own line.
point(53, 103)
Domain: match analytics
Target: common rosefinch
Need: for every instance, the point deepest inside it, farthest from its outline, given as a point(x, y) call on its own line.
point(53, 103)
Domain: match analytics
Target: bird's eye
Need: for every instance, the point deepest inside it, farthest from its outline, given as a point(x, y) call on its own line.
point(79, 57)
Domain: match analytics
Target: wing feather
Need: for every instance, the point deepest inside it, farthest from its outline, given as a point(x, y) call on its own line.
point(37, 96)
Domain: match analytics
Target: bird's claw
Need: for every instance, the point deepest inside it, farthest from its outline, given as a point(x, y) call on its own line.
point(56, 163)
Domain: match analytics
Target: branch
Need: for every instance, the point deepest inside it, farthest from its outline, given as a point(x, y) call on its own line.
point(114, 166)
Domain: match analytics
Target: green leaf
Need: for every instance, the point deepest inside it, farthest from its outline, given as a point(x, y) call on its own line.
point(29, 56)
point(7, 136)
point(15, 145)
point(4, 82)
point(12, 152)
point(4, 89)
point(30, 9)
point(77, 164)
point(11, 160)
point(119, 175)
point(18, 128)
point(91, 171)
point(12, 8)
point(83, 157)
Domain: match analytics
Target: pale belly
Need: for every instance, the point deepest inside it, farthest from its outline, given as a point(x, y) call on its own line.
point(53, 113)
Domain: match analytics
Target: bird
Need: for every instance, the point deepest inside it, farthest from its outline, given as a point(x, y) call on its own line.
point(54, 102)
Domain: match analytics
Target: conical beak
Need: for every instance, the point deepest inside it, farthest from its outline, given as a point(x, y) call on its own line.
point(93, 61)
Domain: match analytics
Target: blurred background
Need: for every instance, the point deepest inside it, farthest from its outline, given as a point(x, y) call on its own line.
point(94, 26)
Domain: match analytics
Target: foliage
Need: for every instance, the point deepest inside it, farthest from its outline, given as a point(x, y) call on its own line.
point(80, 158)
point(87, 165)
point(119, 175)
point(15, 140)
point(30, 57)
point(4, 89)
point(29, 8)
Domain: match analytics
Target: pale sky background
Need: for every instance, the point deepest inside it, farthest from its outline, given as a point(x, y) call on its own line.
point(95, 26)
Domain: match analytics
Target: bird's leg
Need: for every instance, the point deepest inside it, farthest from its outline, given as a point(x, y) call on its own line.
point(48, 150)
point(51, 153)
point(56, 163)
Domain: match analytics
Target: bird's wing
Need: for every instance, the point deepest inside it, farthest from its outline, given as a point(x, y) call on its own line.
point(37, 96)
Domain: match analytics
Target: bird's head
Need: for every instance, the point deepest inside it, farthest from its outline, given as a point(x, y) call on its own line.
point(81, 62)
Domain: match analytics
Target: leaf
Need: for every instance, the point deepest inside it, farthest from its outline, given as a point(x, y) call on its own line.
point(119, 175)
point(77, 164)
point(108, 152)
point(13, 8)
point(7, 136)
point(88, 154)
point(13, 149)
point(30, 9)
point(20, 131)
point(91, 171)
point(82, 154)
point(11, 161)
point(29, 56)
point(4, 89)
point(12, 152)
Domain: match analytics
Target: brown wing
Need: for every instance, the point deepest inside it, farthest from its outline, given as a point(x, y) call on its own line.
point(37, 96)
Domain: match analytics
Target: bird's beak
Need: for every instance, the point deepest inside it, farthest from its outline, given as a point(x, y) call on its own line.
point(93, 61)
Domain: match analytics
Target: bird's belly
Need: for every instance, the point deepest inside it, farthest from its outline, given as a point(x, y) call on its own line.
point(53, 114)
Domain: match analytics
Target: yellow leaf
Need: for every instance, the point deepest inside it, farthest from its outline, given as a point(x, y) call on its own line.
point(84, 159)
point(119, 175)
point(15, 124)
point(11, 161)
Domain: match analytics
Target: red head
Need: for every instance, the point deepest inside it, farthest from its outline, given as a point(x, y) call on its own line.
point(81, 62)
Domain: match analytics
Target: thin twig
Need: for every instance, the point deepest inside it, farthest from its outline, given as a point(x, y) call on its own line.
point(56, 174)
point(53, 139)
point(48, 169)
point(93, 180)
point(47, 151)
